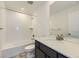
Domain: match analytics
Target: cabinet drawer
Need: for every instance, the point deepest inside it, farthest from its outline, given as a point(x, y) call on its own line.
point(50, 52)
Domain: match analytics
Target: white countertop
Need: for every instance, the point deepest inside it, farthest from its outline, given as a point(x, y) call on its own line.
point(68, 47)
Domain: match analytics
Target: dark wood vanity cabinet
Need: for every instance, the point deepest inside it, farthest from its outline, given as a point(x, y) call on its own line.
point(43, 51)
point(39, 53)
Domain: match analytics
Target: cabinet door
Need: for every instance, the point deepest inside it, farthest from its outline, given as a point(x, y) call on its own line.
point(39, 53)
point(50, 52)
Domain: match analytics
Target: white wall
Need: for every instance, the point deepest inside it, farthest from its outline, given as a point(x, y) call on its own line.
point(2, 24)
point(16, 29)
point(41, 21)
point(61, 20)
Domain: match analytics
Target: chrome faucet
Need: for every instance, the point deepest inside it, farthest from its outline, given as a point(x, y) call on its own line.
point(59, 37)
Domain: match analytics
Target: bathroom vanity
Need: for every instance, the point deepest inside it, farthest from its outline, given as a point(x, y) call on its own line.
point(51, 48)
point(43, 51)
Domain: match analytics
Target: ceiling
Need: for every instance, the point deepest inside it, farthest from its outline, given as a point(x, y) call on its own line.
point(24, 6)
point(61, 5)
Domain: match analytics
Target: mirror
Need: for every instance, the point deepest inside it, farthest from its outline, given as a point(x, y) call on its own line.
point(64, 18)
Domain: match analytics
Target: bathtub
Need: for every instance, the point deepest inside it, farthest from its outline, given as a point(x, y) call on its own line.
point(11, 50)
